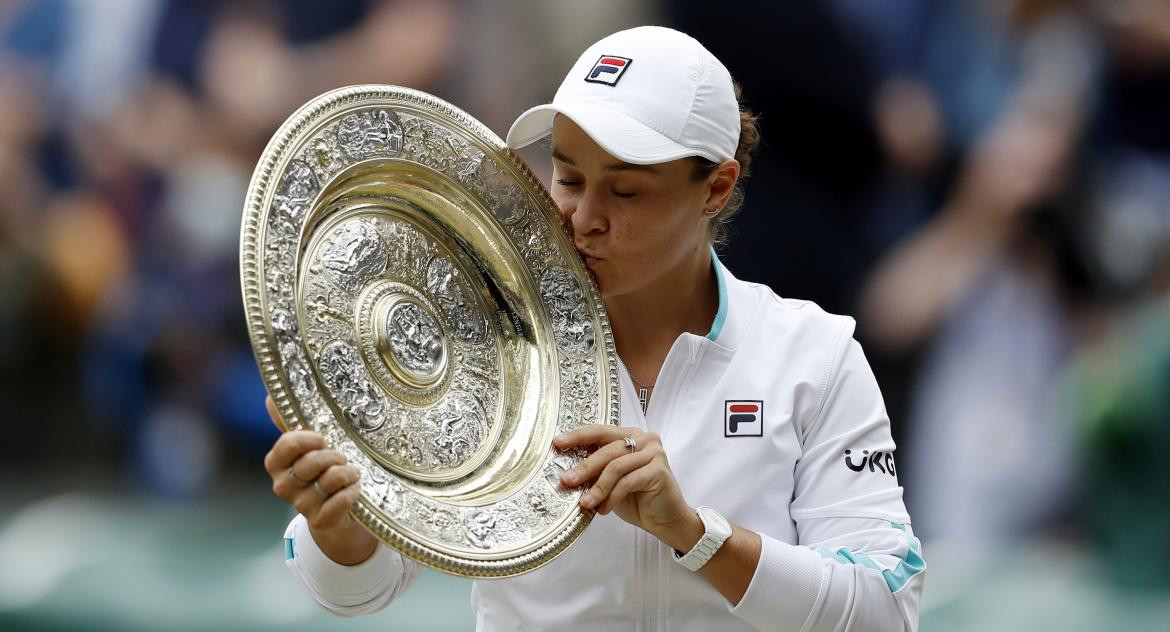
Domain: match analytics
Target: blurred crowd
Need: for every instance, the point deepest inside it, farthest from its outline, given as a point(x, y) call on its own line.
point(983, 184)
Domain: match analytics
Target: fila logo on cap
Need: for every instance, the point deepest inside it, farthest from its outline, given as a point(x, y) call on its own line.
point(609, 69)
point(743, 418)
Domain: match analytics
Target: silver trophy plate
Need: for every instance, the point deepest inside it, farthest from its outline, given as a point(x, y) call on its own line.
point(411, 295)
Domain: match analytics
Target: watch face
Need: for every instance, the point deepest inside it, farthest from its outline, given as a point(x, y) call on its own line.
point(716, 530)
point(714, 522)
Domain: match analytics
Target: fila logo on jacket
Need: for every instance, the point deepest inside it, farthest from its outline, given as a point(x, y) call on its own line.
point(743, 418)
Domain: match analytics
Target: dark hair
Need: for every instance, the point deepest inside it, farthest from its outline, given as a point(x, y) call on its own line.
point(749, 140)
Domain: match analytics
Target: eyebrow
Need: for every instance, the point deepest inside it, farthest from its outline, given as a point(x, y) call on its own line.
point(616, 166)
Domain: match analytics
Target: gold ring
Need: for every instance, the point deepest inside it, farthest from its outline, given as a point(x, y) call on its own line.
point(293, 473)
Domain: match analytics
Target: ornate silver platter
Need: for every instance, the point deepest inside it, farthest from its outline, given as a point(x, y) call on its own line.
point(411, 295)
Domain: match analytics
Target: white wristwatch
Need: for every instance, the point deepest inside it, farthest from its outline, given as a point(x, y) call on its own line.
point(716, 531)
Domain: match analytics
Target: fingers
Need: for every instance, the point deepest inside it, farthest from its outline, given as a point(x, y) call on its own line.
point(591, 467)
point(326, 502)
point(310, 468)
point(640, 479)
point(334, 510)
point(337, 478)
point(312, 465)
point(273, 414)
point(314, 479)
point(289, 447)
point(593, 434)
point(616, 471)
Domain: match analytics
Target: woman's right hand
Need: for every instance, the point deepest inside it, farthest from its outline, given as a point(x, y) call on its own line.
point(318, 482)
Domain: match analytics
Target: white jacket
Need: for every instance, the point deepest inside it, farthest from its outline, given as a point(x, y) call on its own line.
point(812, 473)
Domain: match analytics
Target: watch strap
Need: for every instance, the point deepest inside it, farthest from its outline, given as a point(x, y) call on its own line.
point(716, 531)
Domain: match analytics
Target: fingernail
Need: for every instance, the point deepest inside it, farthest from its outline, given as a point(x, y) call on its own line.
point(571, 475)
point(561, 438)
point(587, 500)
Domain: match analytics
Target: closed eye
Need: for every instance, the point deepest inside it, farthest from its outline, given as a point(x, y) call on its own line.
point(567, 183)
point(625, 195)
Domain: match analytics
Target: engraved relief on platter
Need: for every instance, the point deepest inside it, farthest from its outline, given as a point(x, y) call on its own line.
point(296, 367)
point(579, 386)
point(531, 510)
point(414, 339)
point(369, 134)
point(449, 291)
point(384, 133)
point(353, 255)
point(439, 148)
point(493, 182)
point(344, 375)
point(327, 311)
point(381, 132)
point(505, 524)
point(416, 322)
point(571, 318)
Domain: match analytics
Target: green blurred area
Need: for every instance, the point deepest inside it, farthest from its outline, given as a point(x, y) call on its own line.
point(99, 561)
point(103, 560)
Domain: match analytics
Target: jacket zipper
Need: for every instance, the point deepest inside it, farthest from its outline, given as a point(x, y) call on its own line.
point(650, 564)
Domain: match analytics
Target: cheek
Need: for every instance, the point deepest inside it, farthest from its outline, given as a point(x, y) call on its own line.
point(644, 232)
point(563, 204)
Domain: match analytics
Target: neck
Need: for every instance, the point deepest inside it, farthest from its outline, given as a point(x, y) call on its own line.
point(646, 322)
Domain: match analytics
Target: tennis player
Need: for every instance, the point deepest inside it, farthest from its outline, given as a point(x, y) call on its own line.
point(752, 483)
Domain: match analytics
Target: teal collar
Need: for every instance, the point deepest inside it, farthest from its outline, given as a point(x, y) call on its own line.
point(721, 314)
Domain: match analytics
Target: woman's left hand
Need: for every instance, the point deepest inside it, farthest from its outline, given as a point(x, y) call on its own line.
point(638, 485)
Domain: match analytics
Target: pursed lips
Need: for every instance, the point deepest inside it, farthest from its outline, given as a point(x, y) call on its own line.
point(590, 258)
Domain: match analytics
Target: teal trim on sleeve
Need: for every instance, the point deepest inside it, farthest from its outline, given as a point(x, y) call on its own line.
point(289, 549)
point(896, 578)
point(721, 314)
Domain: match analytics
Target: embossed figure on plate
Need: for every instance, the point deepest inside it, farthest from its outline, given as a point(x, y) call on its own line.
point(292, 199)
point(354, 254)
point(458, 427)
point(447, 289)
point(486, 528)
point(414, 339)
point(572, 325)
point(342, 372)
point(376, 133)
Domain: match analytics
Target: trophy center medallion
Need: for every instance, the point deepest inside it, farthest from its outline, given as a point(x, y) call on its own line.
point(410, 340)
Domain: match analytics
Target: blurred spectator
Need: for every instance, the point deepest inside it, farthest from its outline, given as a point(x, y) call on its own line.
point(1118, 390)
point(1048, 252)
point(810, 78)
point(1119, 395)
point(128, 134)
point(986, 281)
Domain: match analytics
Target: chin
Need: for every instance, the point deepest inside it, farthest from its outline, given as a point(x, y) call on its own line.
point(607, 288)
point(603, 286)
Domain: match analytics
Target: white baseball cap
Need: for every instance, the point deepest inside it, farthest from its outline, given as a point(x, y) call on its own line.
point(646, 95)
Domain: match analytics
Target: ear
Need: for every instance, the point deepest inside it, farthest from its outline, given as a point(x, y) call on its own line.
point(719, 186)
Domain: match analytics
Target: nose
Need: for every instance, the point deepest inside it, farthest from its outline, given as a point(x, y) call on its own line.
point(585, 213)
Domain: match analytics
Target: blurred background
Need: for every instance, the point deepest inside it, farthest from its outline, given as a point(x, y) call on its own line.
point(983, 184)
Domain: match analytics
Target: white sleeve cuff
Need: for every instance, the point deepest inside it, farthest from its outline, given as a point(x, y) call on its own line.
point(337, 587)
point(787, 586)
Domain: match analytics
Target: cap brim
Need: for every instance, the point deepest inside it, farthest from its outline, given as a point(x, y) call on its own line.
point(617, 133)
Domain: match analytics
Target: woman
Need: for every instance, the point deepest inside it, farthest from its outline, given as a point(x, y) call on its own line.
point(766, 407)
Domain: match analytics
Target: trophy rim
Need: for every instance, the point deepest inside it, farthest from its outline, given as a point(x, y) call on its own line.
point(277, 154)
